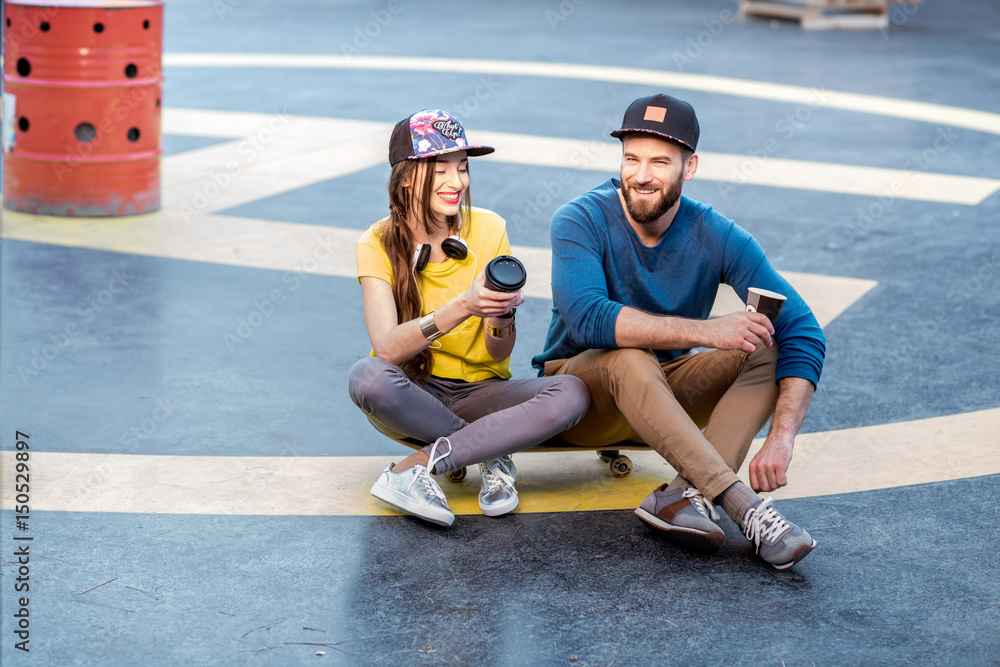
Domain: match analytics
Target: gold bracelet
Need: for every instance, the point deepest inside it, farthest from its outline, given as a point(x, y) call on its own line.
point(428, 327)
point(508, 330)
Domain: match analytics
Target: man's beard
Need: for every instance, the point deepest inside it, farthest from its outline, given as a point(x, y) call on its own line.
point(643, 212)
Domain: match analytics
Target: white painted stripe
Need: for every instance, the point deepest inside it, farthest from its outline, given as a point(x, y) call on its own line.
point(245, 242)
point(748, 170)
point(211, 123)
point(982, 121)
point(833, 462)
point(826, 296)
point(889, 455)
point(309, 150)
point(274, 154)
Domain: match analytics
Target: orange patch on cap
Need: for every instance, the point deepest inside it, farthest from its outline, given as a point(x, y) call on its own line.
point(655, 114)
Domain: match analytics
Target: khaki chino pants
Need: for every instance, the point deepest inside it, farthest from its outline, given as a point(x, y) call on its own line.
point(728, 393)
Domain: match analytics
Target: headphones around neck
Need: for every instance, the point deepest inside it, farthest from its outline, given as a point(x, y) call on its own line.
point(454, 247)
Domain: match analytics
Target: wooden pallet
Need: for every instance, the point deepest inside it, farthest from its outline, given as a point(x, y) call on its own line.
point(822, 14)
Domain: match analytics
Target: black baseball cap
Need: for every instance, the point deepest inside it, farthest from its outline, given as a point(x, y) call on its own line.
point(663, 116)
point(428, 133)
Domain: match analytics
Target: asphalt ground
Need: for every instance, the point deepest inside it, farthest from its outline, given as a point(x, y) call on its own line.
point(898, 471)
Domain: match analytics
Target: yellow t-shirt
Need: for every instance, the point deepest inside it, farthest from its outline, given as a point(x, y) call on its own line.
point(462, 353)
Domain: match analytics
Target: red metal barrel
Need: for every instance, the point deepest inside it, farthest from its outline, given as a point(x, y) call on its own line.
point(81, 107)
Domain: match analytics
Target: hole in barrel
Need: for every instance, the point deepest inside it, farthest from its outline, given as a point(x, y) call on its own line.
point(23, 124)
point(23, 67)
point(85, 132)
point(8, 23)
point(98, 27)
point(145, 24)
point(44, 26)
point(157, 103)
point(131, 70)
point(133, 134)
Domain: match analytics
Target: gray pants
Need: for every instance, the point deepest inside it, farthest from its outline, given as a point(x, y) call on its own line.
point(482, 420)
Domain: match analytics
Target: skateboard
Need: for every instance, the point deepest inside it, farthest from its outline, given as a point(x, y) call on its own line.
point(620, 464)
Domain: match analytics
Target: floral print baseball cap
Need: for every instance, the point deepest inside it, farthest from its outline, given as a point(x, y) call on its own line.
point(427, 133)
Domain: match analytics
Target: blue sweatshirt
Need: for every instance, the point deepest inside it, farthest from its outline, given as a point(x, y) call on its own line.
point(599, 265)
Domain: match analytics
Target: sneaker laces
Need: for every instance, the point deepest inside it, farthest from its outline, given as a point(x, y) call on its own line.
point(427, 484)
point(496, 473)
point(700, 502)
point(432, 461)
point(764, 523)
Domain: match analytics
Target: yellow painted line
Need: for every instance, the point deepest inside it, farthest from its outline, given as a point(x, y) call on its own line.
point(972, 119)
point(833, 462)
point(329, 251)
point(306, 150)
point(327, 486)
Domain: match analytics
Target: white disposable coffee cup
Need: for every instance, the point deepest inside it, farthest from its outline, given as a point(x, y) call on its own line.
point(765, 302)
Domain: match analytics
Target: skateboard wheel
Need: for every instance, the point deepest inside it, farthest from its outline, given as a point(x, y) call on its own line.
point(621, 466)
point(607, 455)
point(459, 475)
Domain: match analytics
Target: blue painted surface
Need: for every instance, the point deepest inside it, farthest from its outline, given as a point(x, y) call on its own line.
point(576, 109)
point(926, 257)
point(910, 60)
point(898, 574)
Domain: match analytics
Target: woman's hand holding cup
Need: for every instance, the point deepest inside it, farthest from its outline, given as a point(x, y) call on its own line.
point(484, 302)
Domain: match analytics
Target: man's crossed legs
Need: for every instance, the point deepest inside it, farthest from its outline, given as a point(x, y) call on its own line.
point(729, 393)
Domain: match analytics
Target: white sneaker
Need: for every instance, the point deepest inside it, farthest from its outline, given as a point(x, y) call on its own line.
point(497, 495)
point(415, 491)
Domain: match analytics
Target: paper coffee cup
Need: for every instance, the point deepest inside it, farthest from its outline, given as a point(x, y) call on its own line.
point(765, 302)
point(505, 274)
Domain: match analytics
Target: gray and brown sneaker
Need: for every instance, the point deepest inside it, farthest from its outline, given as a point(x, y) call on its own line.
point(680, 516)
point(779, 541)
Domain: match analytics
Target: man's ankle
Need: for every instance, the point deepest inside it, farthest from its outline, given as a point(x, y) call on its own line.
point(416, 458)
point(736, 500)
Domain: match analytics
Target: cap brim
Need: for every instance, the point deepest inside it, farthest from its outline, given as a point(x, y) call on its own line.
point(471, 151)
point(618, 134)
